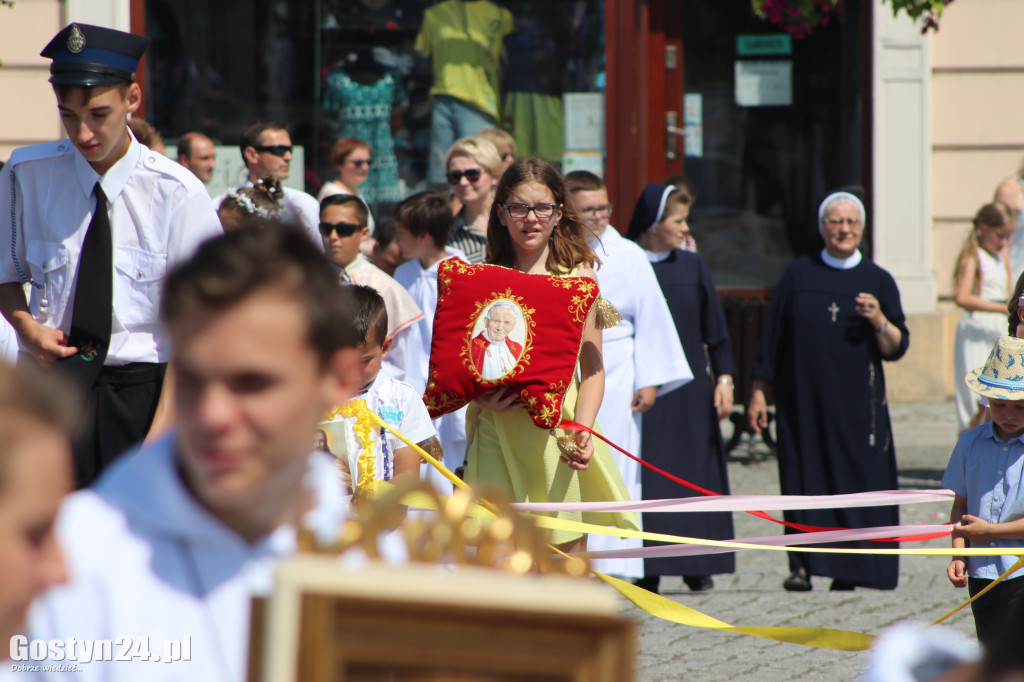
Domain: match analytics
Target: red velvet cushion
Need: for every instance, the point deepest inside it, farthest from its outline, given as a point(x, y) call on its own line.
point(546, 315)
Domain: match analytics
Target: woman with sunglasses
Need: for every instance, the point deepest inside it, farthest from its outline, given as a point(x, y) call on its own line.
point(472, 166)
point(535, 229)
point(352, 158)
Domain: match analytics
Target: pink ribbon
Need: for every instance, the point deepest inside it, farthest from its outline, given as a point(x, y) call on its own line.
point(874, 498)
point(794, 539)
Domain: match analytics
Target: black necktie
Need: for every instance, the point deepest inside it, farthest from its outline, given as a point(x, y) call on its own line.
point(93, 306)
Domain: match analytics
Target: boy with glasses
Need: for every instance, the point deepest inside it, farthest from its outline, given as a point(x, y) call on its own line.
point(643, 356)
point(343, 228)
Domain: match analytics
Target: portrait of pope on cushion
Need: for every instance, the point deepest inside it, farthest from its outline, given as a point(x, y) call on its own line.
point(494, 351)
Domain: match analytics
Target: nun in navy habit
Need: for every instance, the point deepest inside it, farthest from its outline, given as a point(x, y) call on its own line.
point(835, 317)
point(680, 431)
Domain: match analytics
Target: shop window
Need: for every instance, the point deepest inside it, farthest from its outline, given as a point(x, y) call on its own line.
point(350, 68)
point(762, 158)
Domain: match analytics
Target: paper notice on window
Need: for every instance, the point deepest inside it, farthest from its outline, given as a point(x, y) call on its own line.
point(764, 83)
point(584, 120)
point(693, 118)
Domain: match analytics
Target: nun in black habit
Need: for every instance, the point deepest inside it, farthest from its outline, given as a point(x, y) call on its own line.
point(680, 431)
point(834, 317)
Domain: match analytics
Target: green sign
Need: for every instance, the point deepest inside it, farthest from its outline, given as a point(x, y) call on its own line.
point(760, 45)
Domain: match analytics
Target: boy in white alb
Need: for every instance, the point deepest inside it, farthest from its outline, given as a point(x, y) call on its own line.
point(423, 223)
point(394, 401)
point(343, 226)
point(643, 357)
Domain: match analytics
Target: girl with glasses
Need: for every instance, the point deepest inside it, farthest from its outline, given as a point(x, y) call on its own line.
point(472, 167)
point(533, 227)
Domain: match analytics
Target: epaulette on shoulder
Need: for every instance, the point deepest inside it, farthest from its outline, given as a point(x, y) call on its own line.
point(37, 152)
point(159, 163)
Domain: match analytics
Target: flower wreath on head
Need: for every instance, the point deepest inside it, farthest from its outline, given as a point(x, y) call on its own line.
point(245, 202)
point(270, 188)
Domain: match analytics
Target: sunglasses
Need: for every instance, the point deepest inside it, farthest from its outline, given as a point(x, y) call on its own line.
point(343, 229)
point(471, 174)
point(275, 149)
point(359, 163)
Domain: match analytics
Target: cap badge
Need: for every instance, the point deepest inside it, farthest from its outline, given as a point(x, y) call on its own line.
point(76, 40)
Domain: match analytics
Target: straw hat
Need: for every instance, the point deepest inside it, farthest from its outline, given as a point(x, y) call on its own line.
point(1002, 377)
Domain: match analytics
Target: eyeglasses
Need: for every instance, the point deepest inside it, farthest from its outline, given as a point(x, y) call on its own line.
point(838, 222)
point(471, 174)
point(343, 229)
point(275, 149)
point(359, 163)
point(592, 211)
point(542, 211)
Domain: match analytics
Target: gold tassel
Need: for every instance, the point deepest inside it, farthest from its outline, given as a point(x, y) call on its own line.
point(605, 314)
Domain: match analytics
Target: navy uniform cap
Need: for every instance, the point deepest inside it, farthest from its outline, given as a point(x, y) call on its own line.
point(93, 55)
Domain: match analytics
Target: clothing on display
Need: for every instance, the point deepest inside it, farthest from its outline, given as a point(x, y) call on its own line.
point(463, 41)
point(363, 111)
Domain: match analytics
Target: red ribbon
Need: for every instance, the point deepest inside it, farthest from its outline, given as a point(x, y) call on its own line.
point(568, 425)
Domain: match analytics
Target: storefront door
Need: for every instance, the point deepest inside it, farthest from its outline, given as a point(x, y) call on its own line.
point(644, 97)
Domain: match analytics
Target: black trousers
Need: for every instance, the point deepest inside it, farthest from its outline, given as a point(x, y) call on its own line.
point(118, 411)
point(992, 612)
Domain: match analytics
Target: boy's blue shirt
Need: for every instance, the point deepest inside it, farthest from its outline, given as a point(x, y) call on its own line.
point(989, 473)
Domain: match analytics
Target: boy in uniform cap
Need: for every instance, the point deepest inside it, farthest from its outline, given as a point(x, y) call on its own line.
point(95, 222)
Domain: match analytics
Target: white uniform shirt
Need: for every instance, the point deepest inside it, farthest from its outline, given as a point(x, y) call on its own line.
point(159, 214)
point(451, 428)
point(146, 560)
point(641, 351)
point(302, 205)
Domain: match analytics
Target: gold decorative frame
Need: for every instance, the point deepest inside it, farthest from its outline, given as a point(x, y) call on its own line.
point(424, 623)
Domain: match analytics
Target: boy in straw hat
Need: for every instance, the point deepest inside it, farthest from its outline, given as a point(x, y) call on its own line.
point(986, 471)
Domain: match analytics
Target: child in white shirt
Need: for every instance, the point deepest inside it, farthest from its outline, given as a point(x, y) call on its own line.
point(394, 401)
point(423, 223)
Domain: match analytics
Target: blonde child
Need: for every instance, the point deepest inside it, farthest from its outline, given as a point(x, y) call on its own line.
point(534, 228)
point(505, 143)
point(982, 286)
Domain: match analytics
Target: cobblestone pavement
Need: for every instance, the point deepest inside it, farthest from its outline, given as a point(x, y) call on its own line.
point(925, 434)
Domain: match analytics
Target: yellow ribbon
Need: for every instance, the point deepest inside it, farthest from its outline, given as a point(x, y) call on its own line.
point(1019, 564)
point(666, 609)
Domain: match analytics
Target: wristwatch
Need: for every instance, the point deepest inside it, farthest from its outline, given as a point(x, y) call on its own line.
point(727, 381)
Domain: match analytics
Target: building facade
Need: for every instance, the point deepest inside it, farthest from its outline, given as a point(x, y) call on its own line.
point(923, 127)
